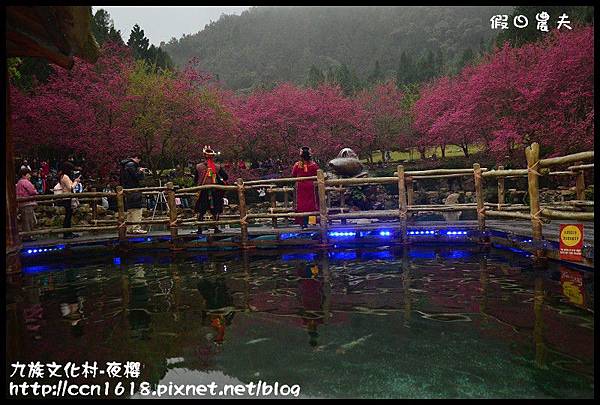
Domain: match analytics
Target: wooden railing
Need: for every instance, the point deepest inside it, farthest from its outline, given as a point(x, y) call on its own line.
point(535, 212)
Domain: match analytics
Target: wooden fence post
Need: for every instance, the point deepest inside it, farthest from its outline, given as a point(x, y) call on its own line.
point(580, 185)
point(274, 205)
point(532, 153)
point(410, 193)
point(172, 215)
point(94, 206)
point(286, 204)
point(343, 205)
point(480, 200)
point(402, 203)
point(243, 213)
point(121, 214)
point(500, 190)
point(322, 207)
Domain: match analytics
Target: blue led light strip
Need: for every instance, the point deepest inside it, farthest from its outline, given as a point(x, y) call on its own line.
point(33, 251)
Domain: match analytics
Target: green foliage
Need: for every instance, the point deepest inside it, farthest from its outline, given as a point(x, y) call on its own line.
point(466, 58)
point(26, 72)
point(315, 77)
point(582, 15)
point(13, 68)
point(376, 75)
point(185, 181)
point(407, 70)
point(347, 80)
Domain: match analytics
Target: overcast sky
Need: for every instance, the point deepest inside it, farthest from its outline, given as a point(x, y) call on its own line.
point(161, 23)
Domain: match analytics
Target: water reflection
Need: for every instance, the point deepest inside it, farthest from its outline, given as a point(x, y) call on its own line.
point(216, 302)
point(483, 315)
point(310, 290)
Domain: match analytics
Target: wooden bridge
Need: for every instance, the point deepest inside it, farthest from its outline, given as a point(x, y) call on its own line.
point(517, 225)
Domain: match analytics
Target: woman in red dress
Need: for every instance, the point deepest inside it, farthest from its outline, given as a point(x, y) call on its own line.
point(306, 199)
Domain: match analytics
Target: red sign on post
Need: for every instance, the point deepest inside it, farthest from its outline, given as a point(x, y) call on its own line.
point(571, 242)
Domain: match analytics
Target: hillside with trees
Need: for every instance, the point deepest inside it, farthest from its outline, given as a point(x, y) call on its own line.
point(268, 45)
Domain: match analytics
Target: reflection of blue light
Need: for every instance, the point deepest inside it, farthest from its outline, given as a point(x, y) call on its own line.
point(512, 249)
point(116, 260)
point(35, 269)
point(297, 235)
point(421, 254)
point(144, 259)
point(299, 256)
point(148, 239)
point(381, 255)
point(456, 254)
point(343, 255)
point(137, 239)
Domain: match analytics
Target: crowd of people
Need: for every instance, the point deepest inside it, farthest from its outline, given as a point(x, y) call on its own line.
point(42, 177)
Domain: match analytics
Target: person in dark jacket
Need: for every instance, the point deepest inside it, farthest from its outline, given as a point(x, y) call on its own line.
point(209, 200)
point(131, 175)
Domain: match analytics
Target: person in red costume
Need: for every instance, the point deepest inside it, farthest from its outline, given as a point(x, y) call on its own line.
point(44, 172)
point(306, 198)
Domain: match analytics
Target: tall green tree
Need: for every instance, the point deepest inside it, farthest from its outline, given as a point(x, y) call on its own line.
point(140, 46)
point(376, 75)
point(103, 28)
point(411, 95)
point(315, 77)
point(138, 43)
point(426, 68)
point(407, 70)
point(345, 78)
point(466, 58)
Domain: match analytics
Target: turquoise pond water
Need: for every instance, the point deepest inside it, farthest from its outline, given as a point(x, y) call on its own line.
point(429, 322)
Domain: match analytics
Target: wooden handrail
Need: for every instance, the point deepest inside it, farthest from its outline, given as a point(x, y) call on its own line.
point(561, 160)
point(537, 213)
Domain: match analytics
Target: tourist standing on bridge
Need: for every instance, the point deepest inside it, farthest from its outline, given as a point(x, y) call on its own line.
point(25, 188)
point(66, 185)
point(131, 175)
point(209, 172)
point(306, 199)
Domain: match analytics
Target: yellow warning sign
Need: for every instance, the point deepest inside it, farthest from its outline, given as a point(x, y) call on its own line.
point(570, 235)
